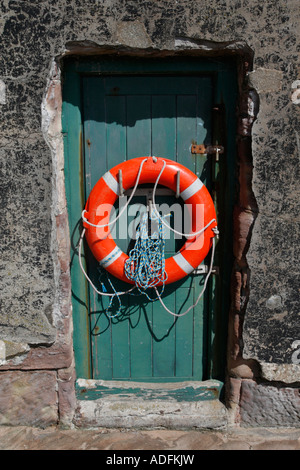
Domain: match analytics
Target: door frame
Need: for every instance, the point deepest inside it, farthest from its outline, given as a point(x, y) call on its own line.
point(224, 71)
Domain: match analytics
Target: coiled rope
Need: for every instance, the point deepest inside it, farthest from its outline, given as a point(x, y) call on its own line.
point(146, 263)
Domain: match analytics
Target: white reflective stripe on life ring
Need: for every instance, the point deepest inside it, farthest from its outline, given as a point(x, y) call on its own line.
point(111, 257)
point(111, 182)
point(191, 190)
point(183, 263)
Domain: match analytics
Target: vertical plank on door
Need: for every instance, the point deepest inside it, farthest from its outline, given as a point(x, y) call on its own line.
point(164, 338)
point(141, 338)
point(184, 333)
point(186, 129)
point(115, 107)
point(204, 127)
point(120, 349)
point(94, 131)
point(164, 126)
point(138, 126)
point(139, 144)
point(95, 166)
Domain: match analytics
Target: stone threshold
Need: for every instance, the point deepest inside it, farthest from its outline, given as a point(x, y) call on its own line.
point(141, 405)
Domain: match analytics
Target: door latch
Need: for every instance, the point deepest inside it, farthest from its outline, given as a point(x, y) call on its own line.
point(201, 149)
point(203, 269)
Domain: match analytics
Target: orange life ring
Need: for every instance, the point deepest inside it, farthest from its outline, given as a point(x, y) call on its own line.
point(105, 193)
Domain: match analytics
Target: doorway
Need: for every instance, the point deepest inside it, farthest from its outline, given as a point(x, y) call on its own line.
point(116, 109)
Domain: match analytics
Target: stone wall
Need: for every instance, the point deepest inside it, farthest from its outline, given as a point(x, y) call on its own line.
point(37, 370)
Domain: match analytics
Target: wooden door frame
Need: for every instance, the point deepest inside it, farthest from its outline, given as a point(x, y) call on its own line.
point(225, 72)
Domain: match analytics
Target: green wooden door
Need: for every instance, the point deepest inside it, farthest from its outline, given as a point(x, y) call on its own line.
point(123, 116)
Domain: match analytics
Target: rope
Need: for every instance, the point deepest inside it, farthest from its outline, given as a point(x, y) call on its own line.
point(201, 293)
point(146, 263)
point(115, 293)
point(186, 235)
point(112, 295)
point(86, 276)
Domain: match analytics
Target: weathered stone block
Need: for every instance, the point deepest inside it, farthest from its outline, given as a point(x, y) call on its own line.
point(266, 80)
point(66, 396)
point(28, 398)
point(268, 405)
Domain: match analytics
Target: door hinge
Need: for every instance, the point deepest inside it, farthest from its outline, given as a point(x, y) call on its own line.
point(201, 149)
